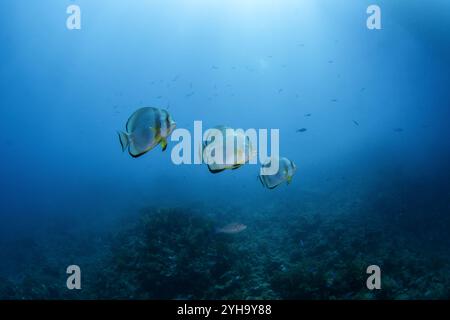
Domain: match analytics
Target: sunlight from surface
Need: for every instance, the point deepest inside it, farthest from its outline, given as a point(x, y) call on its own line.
point(249, 9)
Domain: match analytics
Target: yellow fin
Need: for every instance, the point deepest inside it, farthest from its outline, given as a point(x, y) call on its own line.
point(289, 179)
point(163, 144)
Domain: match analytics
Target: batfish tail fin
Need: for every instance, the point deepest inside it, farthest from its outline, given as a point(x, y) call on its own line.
point(124, 140)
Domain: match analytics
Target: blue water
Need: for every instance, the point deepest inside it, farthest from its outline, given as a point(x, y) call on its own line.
point(245, 64)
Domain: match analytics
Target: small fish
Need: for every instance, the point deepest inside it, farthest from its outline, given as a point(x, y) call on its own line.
point(330, 61)
point(398, 129)
point(334, 100)
point(190, 94)
point(232, 228)
point(302, 130)
point(308, 115)
point(286, 170)
point(356, 122)
point(280, 91)
point(215, 67)
point(145, 129)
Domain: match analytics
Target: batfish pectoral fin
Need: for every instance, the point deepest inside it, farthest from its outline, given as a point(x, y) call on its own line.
point(163, 144)
point(289, 180)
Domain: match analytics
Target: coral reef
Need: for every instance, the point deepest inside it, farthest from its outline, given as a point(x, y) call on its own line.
point(175, 253)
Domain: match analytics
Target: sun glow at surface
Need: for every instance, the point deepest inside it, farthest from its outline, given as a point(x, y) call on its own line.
point(248, 9)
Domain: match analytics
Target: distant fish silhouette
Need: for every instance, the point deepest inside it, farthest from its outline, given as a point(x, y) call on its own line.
point(302, 130)
point(308, 115)
point(334, 100)
point(356, 122)
point(330, 61)
point(398, 129)
point(215, 67)
point(190, 94)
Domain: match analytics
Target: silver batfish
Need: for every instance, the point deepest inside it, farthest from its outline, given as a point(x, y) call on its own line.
point(286, 170)
point(145, 129)
point(241, 152)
